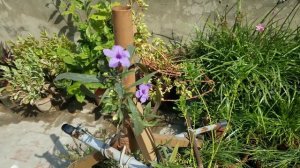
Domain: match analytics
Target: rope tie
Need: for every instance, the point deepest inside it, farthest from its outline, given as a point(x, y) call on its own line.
point(126, 165)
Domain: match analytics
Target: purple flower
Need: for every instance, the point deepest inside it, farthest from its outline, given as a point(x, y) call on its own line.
point(118, 56)
point(143, 92)
point(260, 27)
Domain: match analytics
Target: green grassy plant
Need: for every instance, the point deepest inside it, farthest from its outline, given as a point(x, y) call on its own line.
point(257, 77)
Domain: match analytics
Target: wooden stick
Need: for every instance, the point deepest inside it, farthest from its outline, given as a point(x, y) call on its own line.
point(171, 141)
point(192, 138)
point(88, 161)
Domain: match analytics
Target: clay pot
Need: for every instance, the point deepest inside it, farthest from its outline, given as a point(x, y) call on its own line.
point(44, 104)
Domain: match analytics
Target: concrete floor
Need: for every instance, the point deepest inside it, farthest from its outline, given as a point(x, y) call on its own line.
point(33, 139)
point(36, 141)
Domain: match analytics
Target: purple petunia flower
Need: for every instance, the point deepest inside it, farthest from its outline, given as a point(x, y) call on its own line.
point(143, 92)
point(260, 27)
point(118, 56)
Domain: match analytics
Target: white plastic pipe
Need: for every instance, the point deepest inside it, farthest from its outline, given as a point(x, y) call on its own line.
point(105, 150)
point(204, 129)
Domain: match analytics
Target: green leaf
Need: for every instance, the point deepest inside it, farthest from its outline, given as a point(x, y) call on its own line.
point(99, 48)
point(158, 97)
point(148, 108)
point(80, 97)
point(104, 95)
point(72, 89)
point(94, 85)
point(119, 90)
point(174, 153)
point(98, 17)
point(88, 32)
point(145, 79)
point(69, 60)
point(78, 77)
point(138, 125)
point(131, 49)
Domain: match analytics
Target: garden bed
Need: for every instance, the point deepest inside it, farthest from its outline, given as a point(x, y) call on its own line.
point(246, 74)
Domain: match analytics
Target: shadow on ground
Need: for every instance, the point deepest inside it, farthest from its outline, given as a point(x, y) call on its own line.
point(26, 110)
point(55, 159)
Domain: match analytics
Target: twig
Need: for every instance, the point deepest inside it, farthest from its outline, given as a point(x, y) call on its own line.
point(193, 142)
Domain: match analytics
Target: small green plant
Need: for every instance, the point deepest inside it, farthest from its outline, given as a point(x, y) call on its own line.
point(93, 23)
point(26, 79)
point(34, 65)
point(119, 95)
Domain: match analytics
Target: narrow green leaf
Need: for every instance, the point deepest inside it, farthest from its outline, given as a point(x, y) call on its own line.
point(119, 90)
point(158, 97)
point(174, 153)
point(94, 85)
point(143, 80)
point(138, 125)
point(78, 77)
point(104, 95)
point(131, 50)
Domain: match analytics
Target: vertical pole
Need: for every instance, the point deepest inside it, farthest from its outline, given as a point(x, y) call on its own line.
point(124, 36)
point(123, 32)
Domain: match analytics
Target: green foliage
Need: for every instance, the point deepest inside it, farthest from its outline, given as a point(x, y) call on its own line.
point(35, 63)
point(50, 51)
point(143, 80)
point(116, 98)
point(170, 158)
point(26, 78)
point(92, 20)
point(256, 77)
point(139, 122)
point(82, 86)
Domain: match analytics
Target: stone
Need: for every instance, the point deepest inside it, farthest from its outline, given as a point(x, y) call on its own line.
point(171, 129)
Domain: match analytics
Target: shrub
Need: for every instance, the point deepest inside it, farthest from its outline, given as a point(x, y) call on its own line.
point(92, 20)
point(35, 63)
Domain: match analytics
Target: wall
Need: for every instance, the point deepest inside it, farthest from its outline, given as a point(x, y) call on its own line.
point(20, 17)
point(183, 16)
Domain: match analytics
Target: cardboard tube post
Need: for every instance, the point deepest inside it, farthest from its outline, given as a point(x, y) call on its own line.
point(124, 36)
